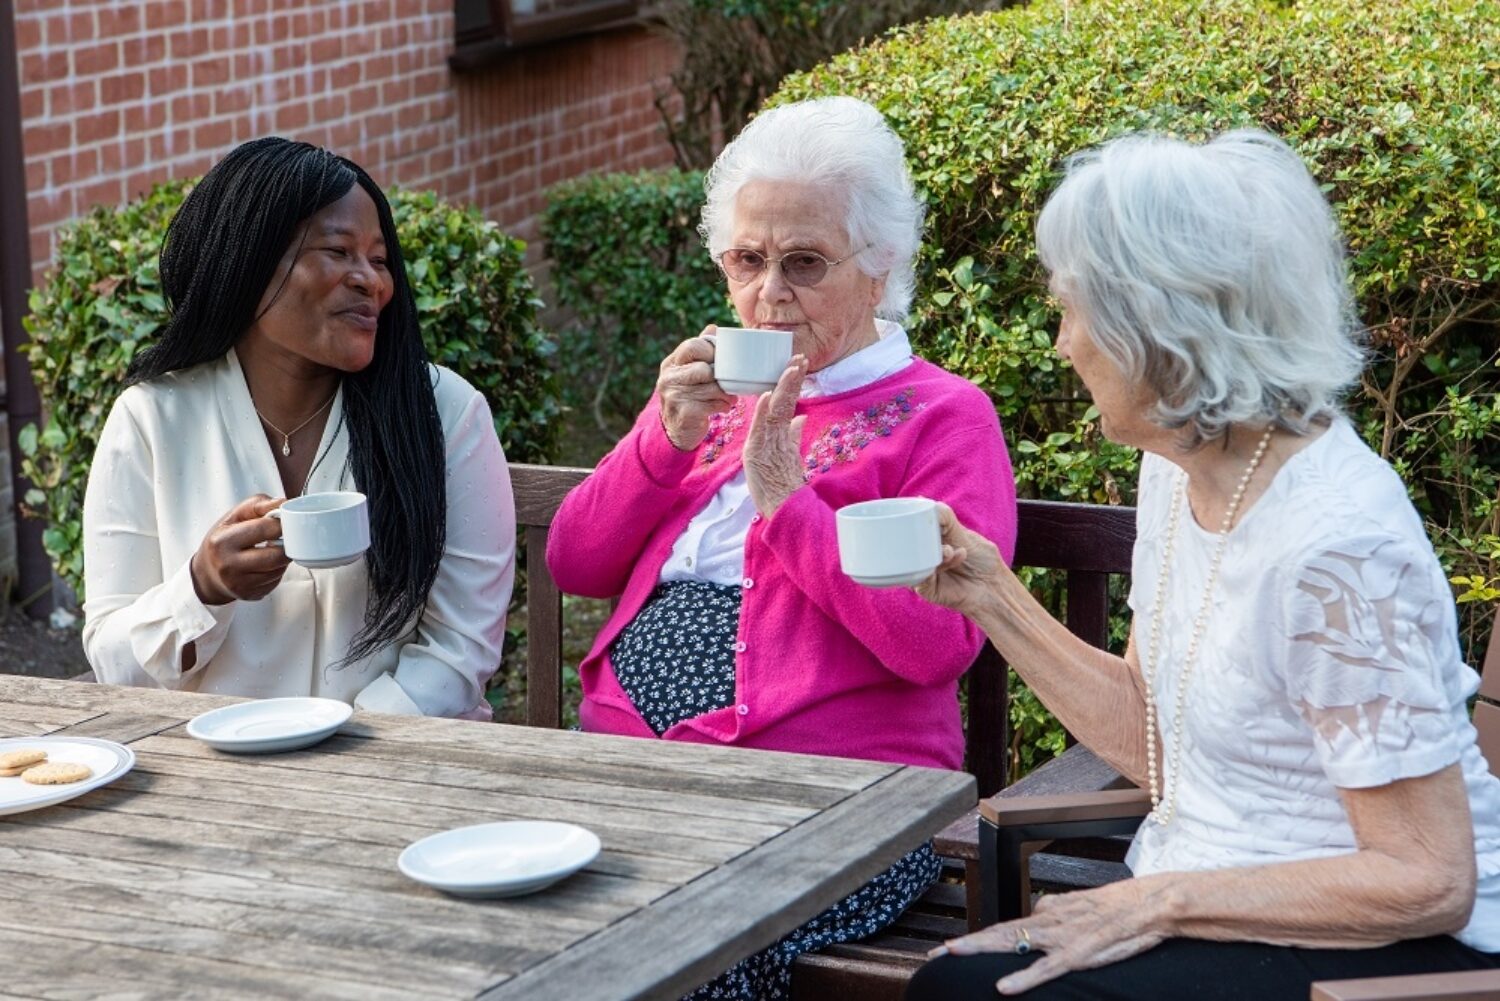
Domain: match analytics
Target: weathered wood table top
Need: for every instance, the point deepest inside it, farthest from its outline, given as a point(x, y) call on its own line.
point(205, 874)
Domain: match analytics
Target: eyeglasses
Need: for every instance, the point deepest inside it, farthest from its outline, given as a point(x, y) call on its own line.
point(803, 268)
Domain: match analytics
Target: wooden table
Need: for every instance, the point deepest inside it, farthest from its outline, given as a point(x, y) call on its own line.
point(213, 875)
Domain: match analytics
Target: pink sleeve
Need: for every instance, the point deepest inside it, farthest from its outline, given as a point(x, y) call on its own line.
point(913, 638)
point(604, 523)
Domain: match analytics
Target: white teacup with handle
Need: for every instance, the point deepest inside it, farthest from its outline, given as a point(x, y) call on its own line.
point(325, 530)
point(748, 361)
point(891, 542)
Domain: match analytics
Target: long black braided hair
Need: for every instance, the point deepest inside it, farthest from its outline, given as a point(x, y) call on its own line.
point(221, 253)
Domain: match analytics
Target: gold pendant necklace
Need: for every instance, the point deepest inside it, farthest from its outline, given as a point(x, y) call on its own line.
point(286, 436)
point(1164, 802)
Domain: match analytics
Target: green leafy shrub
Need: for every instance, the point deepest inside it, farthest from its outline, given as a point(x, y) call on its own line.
point(103, 301)
point(1380, 100)
point(630, 266)
point(1388, 104)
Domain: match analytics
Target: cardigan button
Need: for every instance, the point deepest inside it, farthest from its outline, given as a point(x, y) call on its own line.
point(744, 710)
point(748, 583)
point(739, 647)
point(754, 519)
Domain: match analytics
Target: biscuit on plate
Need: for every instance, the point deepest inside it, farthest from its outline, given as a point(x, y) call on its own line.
point(16, 762)
point(56, 773)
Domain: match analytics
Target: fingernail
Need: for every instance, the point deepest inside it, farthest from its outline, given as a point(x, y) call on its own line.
point(1005, 986)
point(941, 950)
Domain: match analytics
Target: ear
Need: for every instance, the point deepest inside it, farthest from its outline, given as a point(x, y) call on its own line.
point(877, 291)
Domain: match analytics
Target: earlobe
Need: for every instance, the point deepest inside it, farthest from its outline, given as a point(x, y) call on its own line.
point(877, 291)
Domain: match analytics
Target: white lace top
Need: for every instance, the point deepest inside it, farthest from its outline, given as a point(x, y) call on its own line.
point(1329, 659)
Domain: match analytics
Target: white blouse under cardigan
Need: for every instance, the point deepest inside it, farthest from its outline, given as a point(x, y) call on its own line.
point(178, 453)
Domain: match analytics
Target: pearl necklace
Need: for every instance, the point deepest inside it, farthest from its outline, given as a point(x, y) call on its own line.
point(1164, 803)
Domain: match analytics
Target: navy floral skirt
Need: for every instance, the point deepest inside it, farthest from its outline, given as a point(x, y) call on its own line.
point(676, 661)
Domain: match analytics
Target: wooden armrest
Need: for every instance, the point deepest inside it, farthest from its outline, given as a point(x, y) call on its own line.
point(1067, 808)
point(1471, 985)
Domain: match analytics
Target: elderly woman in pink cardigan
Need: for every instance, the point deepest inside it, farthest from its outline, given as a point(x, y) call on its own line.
point(712, 521)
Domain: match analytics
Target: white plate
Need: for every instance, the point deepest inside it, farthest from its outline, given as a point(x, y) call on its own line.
point(894, 580)
point(499, 860)
point(270, 725)
point(107, 759)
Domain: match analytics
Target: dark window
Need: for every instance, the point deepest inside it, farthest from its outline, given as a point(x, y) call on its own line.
point(484, 28)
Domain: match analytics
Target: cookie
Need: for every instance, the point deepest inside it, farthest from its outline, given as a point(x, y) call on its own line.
point(56, 773)
point(16, 762)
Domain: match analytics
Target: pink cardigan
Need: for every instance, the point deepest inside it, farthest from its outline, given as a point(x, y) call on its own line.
point(823, 665)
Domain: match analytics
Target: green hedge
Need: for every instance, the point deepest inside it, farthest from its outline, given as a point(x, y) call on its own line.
point(103, 301)
point(1390, 105)
point(629, 265)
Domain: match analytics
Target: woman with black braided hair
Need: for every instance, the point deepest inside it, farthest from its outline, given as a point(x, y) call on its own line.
point(292, 364)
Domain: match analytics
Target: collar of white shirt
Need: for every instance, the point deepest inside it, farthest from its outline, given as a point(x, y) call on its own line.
point(885, 357)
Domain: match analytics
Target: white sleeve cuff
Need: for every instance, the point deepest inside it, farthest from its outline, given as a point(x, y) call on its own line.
point(385, 695)
point(197, 623)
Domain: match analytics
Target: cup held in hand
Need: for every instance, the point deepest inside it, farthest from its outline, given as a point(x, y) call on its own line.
point(325, 530)
point(748, 361)
point(892, 542)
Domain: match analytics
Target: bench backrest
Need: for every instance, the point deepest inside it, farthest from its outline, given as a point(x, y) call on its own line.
point(1088, 542)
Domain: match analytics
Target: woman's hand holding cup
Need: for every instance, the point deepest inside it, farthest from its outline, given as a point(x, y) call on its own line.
point(688, 393)
point(969, 576)
point(233, 561)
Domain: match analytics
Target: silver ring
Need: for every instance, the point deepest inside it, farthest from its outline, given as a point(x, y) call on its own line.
point(1023, 946)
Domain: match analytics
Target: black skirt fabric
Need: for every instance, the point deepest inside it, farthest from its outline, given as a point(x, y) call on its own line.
point(676, 657)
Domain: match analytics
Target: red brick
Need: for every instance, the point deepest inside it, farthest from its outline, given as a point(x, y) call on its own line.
point(325, 50)
point(331, 108)
point(397, 91)
point(47, 210)
point(291, 117)
point(33, 103)
point(214, 134)
point(164, 14)
point(28, 33)
point(116, 19)
point(39, 68)
point(188, 44)
point(91, 60)
point(343, 136)
point(344, 76)
point(232, 100)
point(106, 192)
point(211, 72)
point(97, 127)
point(36, 174)
point(378, 67)
point(142, 181)
point(276, 28)
point(163, 80)
point(143, 50)
point(190, 108)
point(71, 169)
point(39, 139)
point(366, 101)
point(289, 57)
point(122, 87)
point(145, 117)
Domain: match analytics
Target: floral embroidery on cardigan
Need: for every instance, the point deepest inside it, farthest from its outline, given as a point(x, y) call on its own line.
point(844, 440)
point(721, 429)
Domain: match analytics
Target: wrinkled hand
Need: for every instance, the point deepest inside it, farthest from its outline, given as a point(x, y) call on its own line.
point(688, 393)
point(773, 446)
point(1077, 931)
point(967, 578)
point(231, 564)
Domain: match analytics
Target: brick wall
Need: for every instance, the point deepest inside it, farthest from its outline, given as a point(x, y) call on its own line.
point(116, 96)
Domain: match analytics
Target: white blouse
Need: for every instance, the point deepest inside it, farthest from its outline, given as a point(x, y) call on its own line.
point(712, 547)
point(177, 453)
point(1329, 660)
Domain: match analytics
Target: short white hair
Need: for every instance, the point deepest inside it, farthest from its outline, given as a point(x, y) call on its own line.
point(1214, 273)
point(841, 144)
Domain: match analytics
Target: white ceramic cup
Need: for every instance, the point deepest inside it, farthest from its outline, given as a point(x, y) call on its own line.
point(892, 542)
point(325, 530)
point(749, 361)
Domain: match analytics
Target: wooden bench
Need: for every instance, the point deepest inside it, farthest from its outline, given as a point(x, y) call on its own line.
point(1088, 543)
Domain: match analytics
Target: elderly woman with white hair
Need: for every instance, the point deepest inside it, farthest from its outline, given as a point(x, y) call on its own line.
point(712, 521)
point(1293, 693)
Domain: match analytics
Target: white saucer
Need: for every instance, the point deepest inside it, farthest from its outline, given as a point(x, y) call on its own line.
point(895, 580)
point(107, 759)
point(735, 388)
point(269, 725)
point(499, 860)
point(330, 563)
